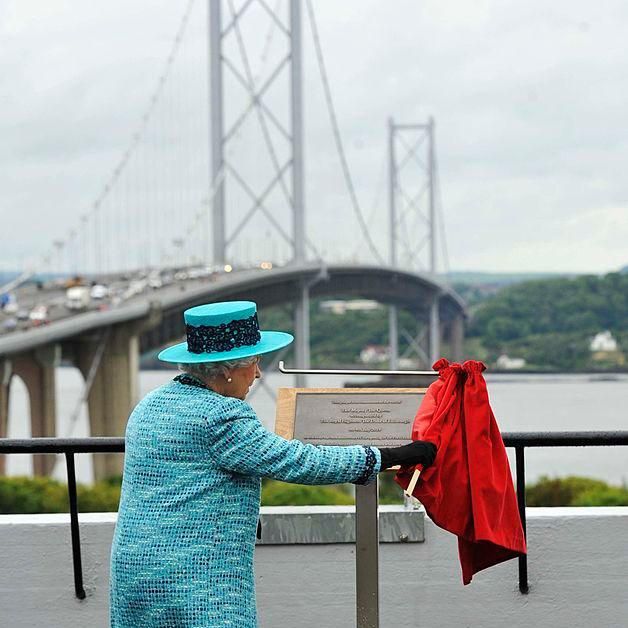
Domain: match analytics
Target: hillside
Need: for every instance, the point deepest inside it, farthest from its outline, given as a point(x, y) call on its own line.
point(550, 323)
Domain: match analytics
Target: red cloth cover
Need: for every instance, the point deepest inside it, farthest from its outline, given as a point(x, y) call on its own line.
point(468, 490)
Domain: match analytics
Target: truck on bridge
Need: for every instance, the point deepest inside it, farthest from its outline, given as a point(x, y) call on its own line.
point(77, 298)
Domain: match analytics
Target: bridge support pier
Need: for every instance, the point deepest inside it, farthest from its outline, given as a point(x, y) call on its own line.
point(302, 333)
point(37, 370)
point(5, 380)
point(114, 389)
point(435, 331)
point(393, 337)
point(456, 338)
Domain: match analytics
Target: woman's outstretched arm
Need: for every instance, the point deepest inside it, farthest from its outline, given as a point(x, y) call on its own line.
point(240, 443)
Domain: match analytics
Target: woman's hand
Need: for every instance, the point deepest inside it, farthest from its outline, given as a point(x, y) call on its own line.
point(417, 452)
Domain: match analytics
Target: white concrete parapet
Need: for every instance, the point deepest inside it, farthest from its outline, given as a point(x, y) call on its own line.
point(578, 570)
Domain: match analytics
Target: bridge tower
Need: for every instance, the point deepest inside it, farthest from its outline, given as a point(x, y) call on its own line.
point(412, 211)
point(281, 125)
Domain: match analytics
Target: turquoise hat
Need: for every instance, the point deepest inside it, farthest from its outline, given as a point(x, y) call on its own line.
point(223, 331)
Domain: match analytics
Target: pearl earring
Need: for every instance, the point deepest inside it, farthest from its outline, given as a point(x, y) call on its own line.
point(229, 380)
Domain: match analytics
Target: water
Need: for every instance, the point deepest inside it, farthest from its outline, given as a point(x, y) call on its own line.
point(520, 403)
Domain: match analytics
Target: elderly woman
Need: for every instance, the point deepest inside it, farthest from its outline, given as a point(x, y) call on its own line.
point(182, 553)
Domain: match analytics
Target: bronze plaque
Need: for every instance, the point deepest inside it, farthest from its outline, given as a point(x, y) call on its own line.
point(379, 417)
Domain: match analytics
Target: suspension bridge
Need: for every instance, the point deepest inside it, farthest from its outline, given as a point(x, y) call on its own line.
point(208, 201)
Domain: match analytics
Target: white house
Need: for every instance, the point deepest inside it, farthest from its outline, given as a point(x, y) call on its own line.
point(341, 306)
point(603, 341)
point(374, 353)
point(507, 363)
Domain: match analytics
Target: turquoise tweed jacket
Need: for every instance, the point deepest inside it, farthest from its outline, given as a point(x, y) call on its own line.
point(182, 553)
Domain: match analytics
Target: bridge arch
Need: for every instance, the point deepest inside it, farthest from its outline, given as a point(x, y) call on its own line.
point(34, 371)
point(410, 291)
point(15, 401)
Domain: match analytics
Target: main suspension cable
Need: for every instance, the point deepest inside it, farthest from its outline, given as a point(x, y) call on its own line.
point(338, 138)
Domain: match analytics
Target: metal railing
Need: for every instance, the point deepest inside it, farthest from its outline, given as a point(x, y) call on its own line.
point(68, 447)
point(517, 440)
point(521, 440)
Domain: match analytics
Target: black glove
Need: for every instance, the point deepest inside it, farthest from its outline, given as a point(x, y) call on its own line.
point(417, 452)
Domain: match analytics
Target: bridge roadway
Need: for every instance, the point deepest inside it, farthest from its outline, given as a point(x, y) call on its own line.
point(411, 291)
point(105, 345)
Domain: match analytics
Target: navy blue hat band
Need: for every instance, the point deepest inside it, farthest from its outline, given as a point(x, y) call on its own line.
point(223, 337)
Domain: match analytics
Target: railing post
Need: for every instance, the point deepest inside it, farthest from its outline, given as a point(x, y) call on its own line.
point(74, 527)
point(521, 502)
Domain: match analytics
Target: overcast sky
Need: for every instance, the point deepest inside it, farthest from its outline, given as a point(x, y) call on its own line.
point(530, 101)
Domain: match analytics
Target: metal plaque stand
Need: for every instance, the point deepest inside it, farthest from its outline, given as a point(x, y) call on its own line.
point(367, 555)
point(366, 520)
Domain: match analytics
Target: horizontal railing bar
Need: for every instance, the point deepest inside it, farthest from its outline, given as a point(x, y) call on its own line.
point(295, 371)
point(565, 439)
point(49, 445)
point(104, 444)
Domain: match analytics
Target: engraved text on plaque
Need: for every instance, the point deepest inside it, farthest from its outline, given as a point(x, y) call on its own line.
point(383, 419)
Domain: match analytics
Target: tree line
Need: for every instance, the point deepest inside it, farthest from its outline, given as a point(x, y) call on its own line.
point(25, 495)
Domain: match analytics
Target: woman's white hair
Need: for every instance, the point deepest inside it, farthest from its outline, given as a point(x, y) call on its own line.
point(211, 370)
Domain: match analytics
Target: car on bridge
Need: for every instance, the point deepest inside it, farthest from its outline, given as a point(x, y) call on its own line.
point(9, 324)
point(39, 315)
point(98, 291)
point(22, 315)
point(155, 281)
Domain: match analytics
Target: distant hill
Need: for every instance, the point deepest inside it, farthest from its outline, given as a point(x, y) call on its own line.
point(503, 279)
